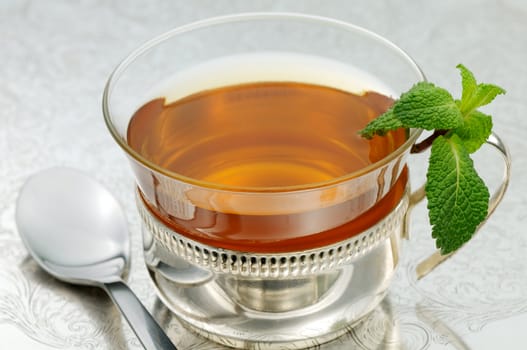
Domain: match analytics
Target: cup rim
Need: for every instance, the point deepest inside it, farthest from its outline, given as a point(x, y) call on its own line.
point(239, 17)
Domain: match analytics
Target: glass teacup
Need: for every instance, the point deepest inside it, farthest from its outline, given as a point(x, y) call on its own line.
point(271, 265)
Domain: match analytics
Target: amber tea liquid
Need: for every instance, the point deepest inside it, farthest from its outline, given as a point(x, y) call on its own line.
point(266, 136)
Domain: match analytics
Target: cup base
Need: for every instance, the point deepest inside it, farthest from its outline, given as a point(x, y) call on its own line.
point(258, 345)
point(210, 314)
point(288, 301)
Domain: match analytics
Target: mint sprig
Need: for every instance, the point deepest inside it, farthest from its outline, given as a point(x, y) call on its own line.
point(457, 197)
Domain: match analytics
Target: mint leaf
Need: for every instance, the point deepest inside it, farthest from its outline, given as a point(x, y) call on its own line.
point(483, 95)
point(475, 130)
point(381, 125)
point(457, 196)
point(468, 82)
point(475, 95)
point(429, 107)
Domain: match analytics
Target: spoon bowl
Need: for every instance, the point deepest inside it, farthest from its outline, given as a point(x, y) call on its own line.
point(73, 227)
point(76, 231)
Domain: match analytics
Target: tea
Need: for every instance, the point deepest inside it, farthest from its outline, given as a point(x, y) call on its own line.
point(266, 136)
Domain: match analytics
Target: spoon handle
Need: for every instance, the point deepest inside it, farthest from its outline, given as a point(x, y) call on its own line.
point(145, 327)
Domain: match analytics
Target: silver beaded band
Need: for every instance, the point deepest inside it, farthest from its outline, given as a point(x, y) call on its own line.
point(273, 265)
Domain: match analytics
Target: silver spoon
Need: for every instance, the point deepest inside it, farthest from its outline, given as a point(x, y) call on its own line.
point(75, 229)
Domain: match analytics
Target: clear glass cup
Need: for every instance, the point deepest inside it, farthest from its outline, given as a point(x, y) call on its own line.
point(279, 288)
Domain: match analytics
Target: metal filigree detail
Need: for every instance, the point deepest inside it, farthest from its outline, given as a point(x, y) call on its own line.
point(272, 265)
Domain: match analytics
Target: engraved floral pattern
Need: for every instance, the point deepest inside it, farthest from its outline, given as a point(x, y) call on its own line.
point(48, 312)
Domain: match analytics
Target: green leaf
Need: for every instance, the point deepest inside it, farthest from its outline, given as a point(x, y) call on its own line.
point(381, 125)
point(429, 107)
point(468, 82)
point(457, 196)
point(475, 130)
point(483, 95)
point(475, 95)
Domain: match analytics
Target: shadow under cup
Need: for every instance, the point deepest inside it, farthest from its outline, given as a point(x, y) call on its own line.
point(273, 287)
